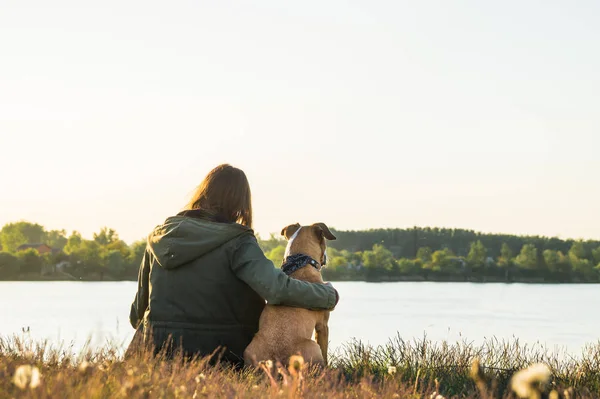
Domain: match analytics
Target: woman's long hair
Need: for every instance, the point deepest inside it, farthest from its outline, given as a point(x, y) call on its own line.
point(226, 192)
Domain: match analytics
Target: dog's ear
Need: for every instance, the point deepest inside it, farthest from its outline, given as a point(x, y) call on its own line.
point(323, 231)
point(289, 231)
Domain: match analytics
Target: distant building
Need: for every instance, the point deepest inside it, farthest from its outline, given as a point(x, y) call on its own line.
point(40, 248)
point(59, 267)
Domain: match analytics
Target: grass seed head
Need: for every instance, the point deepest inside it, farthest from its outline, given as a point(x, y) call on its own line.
point(296, 363)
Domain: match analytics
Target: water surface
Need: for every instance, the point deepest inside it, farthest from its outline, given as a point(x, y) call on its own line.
point(558, 316)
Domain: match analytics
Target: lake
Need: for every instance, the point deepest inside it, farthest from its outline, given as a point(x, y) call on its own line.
point(562, 317)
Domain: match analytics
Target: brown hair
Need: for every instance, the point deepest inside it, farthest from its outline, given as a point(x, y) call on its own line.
point(226, 192)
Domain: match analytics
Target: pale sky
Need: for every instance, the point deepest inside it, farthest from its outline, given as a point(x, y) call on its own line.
point(359, 114)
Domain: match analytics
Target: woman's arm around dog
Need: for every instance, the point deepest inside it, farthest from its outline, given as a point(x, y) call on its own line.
point(250, 264)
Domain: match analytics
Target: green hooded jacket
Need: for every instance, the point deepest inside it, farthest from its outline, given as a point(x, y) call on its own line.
point(204, 284)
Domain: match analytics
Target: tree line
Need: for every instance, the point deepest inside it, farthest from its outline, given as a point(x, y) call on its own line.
point(369, 255)
point(104, 257)
point(435, 254)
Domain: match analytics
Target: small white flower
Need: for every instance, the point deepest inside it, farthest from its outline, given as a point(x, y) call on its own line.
point(27, 376)
point(269, 364)
point(531, 380)
point(84, 365)
point(391, 370)
point(200, 377)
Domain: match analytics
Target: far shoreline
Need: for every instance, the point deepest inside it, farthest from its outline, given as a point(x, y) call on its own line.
point(395, 279)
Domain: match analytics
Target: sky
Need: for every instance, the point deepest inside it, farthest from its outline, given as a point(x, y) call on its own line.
point(358, 114)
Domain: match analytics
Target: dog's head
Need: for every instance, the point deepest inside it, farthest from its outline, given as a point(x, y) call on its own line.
point(308, 240)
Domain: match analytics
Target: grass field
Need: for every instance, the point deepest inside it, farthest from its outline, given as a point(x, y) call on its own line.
point(400, 369)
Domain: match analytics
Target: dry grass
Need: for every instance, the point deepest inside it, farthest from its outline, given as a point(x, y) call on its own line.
point(401, 369)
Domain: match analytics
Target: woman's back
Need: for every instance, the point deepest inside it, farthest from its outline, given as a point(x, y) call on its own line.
point(194, 294)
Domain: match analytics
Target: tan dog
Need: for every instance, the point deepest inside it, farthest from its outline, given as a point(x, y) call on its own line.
point(285, 331)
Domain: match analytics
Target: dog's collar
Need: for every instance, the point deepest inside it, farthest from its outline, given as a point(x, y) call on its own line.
point(297, 261)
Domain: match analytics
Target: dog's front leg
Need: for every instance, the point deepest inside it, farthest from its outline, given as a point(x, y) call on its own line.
point(322, 335)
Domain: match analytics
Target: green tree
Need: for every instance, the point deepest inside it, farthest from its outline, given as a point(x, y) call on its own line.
point(409, 266)
point(73, 243)
point(276, 255)
point(15, 234)
point(379, 258)
point(527, 258)
point(115, 263)
point(506, 255)
point(552, 259)
point(596, 255)
point(584, 267)
point(121, 246)
point(336, 260)
point(354, 258)
point(9, 266)
point(55, 258)
point(31, 261)
point(88, 257)
point(134, 259)
point(424, 254)
point(34, 232)
point(578, 250)
point(106, 236)
point(271, 243)
point(477, 254)
point(136, 252)
point(337, 263)
point(56, 239)
point(443, 259)
point(11, 239)
point(579, 263)
point(556, 261)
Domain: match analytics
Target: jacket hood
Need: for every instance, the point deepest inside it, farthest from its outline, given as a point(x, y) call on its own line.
point(182, 239)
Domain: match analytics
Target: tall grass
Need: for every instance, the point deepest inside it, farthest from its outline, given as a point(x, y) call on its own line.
point(400, 369)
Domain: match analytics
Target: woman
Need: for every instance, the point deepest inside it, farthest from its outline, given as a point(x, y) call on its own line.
point(204, 280)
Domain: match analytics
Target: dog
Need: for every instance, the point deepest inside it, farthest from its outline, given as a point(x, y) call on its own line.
point(286, 331)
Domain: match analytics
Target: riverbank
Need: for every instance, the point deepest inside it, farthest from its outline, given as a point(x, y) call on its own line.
point(400, 369)
point(463, 279)
point(374, 279)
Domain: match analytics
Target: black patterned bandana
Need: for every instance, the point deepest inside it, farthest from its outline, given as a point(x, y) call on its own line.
point(296, 262)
